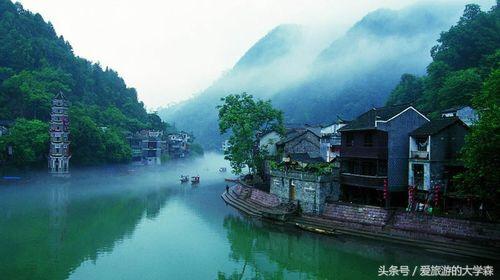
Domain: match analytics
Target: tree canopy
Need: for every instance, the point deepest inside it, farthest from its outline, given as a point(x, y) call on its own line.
point(36, 64)
point(480, 153)
point(244, 118)
point(463, 59)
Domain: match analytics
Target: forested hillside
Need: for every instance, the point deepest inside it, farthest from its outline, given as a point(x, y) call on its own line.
point(344, 76)
point(35, 64)
point(464, 58)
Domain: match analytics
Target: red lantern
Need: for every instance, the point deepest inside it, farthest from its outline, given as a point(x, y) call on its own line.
point(386, 190)
point(437, 189)
point(411, 194)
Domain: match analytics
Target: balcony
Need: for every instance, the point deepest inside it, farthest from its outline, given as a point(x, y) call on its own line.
point(363, 152)
point(419, 155)
point(365, 181)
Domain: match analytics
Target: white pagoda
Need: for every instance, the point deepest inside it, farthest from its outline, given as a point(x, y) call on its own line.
point(59, 153)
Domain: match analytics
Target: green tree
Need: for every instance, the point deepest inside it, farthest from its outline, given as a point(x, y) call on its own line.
point(117, 149)
point(458, 88)
point(480, 153)
point(475, 36)
point(244, 118)
point(409, 89)
point(86, 141)
point(464, 57)
point(30, 142)
point(29, 93)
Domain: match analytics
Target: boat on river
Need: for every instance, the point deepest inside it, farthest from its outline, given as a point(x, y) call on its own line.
point(195, 179)
point(222, 170)
point(184, 178)
point(315, 229)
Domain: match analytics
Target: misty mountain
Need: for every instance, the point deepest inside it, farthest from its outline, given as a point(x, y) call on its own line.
point(311, 85)
point(251, 74)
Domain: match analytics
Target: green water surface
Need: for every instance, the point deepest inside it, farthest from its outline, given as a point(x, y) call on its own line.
point(136, 223)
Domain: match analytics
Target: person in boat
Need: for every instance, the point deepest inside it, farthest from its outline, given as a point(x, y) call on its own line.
point(227, 189)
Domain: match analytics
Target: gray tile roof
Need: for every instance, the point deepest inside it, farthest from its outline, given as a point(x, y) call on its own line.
point(435, 126)
point(367, 119)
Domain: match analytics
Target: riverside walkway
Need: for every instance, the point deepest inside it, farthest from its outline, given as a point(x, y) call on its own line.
point(329, 226)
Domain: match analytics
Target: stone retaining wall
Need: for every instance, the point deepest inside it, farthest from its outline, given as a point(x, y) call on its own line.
point(363, 214)
point(420, 222)
point(411, 222)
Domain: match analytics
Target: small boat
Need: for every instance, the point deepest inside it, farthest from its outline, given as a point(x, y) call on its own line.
point(222, 169)
point(316, 230)
point(195, 179)
point(184, 178)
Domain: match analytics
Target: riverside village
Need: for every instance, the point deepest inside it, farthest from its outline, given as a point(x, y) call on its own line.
point(249, 139)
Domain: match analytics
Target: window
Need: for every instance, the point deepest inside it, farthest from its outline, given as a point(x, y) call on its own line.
point(368, 139)
point(349, 139)
point(422, 144)
point(349, 167)
point(382, 167)
point(368, 168)
point(152, 145)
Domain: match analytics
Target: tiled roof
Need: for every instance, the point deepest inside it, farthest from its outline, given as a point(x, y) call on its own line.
point(367, 119)
point(435, 126)
point(292, 134)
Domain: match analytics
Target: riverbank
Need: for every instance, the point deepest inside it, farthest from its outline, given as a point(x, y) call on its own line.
point(434, 234)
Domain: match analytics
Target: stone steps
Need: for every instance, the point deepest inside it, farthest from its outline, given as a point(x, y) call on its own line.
point(237, 203)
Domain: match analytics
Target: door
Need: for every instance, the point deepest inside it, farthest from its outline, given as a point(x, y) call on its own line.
point(418, 176)
point(291, 193)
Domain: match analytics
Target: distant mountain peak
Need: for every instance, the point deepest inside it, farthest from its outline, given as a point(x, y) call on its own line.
point(275, 44)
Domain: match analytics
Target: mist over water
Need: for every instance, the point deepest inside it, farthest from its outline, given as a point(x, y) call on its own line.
point(132, 222)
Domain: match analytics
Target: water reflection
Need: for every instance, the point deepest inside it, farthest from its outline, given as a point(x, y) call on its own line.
point(46, 233)
point(143, 224)
point(267, 251)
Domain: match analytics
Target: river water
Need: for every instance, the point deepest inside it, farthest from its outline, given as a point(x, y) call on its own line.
point(138, 223)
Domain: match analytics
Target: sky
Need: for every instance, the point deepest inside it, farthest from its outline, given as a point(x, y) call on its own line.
point(170, 50)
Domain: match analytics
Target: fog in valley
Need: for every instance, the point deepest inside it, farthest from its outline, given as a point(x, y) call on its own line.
point(66, 221)
point(314, 76)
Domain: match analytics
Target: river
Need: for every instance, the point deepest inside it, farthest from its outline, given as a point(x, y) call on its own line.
point(141, 223)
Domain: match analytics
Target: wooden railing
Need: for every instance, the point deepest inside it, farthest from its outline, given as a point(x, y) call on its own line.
point(419, 154)
point(365, 181)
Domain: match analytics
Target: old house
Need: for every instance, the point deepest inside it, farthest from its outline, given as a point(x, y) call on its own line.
point(374, 154)
point(305, 178)
point(268, 141)
point(153, 147)
point(308, 189)
point(178, 144)
point(434, 149)
point(147, 146)
point(330, 141)
point(301, 140)
point(465, 113)
point(135, 143)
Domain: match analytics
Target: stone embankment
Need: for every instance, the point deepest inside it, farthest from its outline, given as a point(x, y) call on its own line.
point(432, 233)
